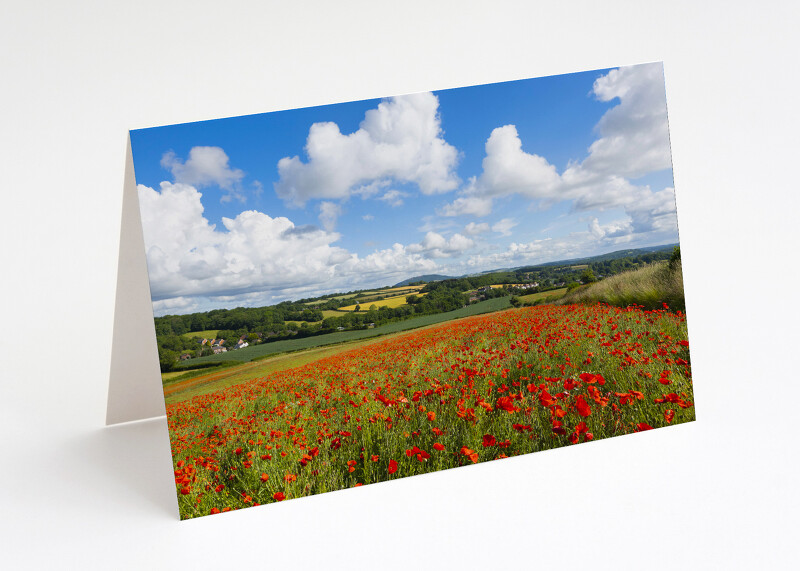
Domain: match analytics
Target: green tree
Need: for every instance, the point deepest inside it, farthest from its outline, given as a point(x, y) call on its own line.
point(167, 359)
point(675, 259)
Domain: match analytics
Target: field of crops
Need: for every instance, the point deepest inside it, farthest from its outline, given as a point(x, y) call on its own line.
point(209, 334)
point(467, 391)
point(257, 351)
point(395, 301)
point(392, 291)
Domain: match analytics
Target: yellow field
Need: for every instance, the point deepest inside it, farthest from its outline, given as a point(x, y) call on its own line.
point(394, 290)
point(208, 334)
point(405, 290)
point(395, 301)
point(331, 313)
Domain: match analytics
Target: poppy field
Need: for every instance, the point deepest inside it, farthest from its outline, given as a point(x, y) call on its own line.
point(471, 390)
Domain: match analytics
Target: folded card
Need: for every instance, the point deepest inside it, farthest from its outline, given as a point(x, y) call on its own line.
point(359, 292)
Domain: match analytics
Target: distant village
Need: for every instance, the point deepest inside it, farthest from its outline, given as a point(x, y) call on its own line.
point(218, 346)
point(480, 293)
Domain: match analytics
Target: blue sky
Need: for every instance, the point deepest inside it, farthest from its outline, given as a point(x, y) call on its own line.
point(257, 209)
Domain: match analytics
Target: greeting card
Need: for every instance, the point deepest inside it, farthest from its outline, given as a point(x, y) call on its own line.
point(353, 293)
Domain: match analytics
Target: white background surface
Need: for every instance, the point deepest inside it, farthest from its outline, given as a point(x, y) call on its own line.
point(717, 493)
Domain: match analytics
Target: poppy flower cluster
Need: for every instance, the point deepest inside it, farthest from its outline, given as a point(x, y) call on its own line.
point(471, 390)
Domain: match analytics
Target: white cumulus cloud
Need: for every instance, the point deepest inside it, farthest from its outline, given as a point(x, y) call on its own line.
point(206, 166)
point(394, 198)
point(504, 226)
point(400, 140)
point(468, 205)
point(473, 229)
point(634, 135)
point(633, 141)
point(434, 245)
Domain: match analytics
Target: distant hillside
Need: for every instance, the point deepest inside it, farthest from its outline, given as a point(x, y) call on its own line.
point(426, 278)
point(603, 257)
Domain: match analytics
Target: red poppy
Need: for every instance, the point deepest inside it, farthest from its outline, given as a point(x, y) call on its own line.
point(488, 440)
point(583, 408)
point(264, 477)
point(392, 466)
point(278, 496)
point(643, 426)
point(669, 414)
point(467, 452)
point(438, 446)
point(506, 404)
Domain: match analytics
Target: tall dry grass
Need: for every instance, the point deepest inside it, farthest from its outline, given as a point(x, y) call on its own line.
point(651, 287)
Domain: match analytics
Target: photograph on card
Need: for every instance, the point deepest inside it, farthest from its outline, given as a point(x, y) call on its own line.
point(363, 291)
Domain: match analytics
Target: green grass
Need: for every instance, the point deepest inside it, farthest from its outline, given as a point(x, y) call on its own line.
point(650, 287)
point(264, 349)
point(533, 297)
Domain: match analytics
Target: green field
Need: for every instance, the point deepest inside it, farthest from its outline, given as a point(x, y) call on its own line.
point(257, 351)
point(554, 293)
